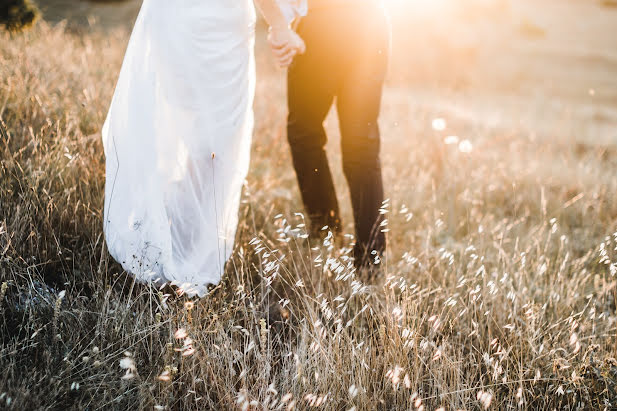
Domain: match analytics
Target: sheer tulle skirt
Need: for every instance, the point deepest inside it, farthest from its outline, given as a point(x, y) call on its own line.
point(177, 140)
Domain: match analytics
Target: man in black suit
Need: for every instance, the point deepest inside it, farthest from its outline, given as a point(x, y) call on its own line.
point(346, 57)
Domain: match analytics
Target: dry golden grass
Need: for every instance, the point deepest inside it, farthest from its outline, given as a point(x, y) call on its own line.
point(499, 287)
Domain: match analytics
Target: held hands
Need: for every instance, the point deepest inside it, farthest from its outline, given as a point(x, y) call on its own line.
point(285, 44)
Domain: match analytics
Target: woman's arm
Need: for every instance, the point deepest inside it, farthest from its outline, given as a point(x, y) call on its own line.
point(273, 14)
point(284, 41)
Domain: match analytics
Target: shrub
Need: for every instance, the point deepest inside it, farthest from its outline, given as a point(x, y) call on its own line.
point(17, 14)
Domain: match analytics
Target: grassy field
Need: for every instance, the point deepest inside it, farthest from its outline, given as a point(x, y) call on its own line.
point(499, 287)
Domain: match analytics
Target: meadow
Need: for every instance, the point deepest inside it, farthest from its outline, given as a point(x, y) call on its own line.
point(499, 287)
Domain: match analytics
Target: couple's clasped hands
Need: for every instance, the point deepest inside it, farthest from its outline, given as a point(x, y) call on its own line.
point(285, 44)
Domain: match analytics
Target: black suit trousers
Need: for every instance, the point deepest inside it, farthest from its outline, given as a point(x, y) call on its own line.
point(346, 59)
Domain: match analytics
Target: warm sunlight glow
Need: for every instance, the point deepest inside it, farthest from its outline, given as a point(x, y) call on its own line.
point(440, 9)
point(419, 5)
point(389, 204)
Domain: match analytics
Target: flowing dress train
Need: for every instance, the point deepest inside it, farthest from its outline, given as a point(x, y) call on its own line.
point(177, 140)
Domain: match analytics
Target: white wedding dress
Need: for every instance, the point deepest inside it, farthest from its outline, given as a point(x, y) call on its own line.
point(177, 141)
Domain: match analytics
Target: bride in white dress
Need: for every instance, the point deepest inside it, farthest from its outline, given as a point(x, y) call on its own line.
point(178, 134)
